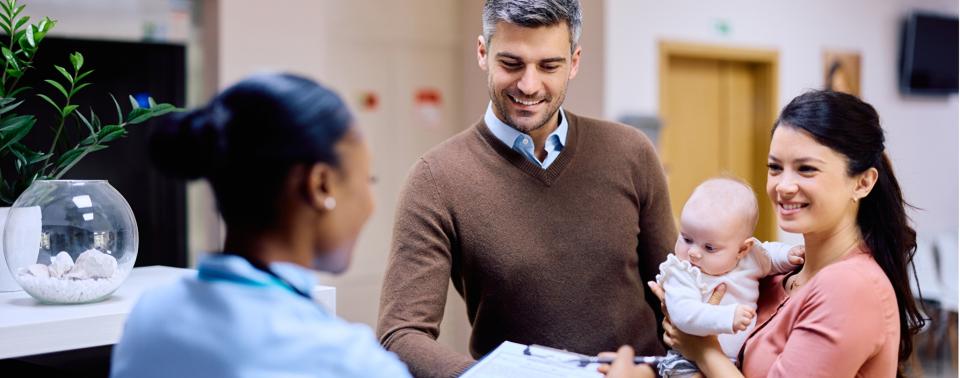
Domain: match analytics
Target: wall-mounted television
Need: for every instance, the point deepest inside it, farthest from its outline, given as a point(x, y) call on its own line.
point(928, 58)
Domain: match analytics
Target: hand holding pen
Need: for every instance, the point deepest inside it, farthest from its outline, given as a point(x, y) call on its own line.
point(625, 365)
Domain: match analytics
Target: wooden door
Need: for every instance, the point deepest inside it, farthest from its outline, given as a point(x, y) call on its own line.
point(717, 114)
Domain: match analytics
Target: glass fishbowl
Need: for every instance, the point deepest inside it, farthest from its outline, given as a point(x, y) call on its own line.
point(70, 241)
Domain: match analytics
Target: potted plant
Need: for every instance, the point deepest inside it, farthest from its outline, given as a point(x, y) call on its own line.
point(21, 165)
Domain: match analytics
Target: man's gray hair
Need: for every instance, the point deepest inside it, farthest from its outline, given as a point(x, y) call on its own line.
point(532, 14)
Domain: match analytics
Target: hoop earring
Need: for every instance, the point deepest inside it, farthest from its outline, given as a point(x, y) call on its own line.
point(329, 203)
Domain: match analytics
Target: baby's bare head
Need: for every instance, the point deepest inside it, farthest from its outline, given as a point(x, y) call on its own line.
point(726, 203)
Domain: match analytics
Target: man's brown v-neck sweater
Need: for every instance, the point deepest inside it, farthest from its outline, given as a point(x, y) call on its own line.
point(555, 256)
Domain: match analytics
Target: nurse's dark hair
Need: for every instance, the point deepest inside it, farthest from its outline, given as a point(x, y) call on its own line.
point(851, 127)
point(248, 138)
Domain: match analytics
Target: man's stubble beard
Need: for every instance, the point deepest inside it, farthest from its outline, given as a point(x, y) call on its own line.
point(501, 107)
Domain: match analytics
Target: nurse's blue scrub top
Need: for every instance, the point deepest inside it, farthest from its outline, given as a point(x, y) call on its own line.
point(234, 320)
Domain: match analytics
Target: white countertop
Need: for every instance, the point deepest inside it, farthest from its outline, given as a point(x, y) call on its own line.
point(28, 327)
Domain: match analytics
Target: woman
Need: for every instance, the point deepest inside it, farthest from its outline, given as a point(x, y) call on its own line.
point(291, 176)
point(849, 310)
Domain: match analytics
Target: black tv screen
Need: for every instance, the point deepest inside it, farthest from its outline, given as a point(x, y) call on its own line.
point(928, 59)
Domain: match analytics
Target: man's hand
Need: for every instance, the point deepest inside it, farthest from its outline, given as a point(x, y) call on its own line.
point(743, 317)
point(795, 256)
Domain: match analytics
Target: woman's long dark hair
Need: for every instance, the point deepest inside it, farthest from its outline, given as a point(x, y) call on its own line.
point(851, 127)
point(248, 138)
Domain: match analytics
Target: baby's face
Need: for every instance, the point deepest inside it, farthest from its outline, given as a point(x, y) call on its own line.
point(709, 241)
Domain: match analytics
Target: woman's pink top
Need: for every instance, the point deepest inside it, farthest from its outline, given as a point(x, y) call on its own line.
point(842, 323)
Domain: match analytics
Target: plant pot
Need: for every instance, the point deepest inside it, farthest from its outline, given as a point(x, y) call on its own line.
point(25, 224)
point(84, 247)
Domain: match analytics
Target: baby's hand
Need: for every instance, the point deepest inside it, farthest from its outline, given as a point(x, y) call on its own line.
point(795, 256)
point(742, 318)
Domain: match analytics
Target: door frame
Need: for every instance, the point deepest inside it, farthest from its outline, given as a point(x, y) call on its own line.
point(767, 63)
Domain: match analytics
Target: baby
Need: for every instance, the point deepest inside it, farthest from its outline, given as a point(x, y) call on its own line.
point(716, 246)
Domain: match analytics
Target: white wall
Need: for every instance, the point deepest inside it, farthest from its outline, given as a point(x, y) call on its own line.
point(922, 133)
point(166, 20)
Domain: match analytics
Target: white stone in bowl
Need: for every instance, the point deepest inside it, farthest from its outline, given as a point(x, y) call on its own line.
point(96, 264)
point(60, 264)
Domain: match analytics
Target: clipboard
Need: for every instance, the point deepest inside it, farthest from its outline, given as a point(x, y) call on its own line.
point(532, 361)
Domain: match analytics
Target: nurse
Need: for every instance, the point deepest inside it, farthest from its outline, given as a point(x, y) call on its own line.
point(291, 174)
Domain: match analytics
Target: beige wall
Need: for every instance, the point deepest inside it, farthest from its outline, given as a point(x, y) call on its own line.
point(388, 48)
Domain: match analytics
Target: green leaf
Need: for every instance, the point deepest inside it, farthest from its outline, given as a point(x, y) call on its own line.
point(18, 34)
point(113, 136)
point(59, 88)
point(86, 123)
point(119, 111)
point(151, 102)
point(21, 159)
point(39, 158)
point(13, 125)
point(5, 18)
point(94, 120)
point(6, 7)
point(13, 72)
point(108, 129)
point(22, 21)
point(95, 148)
point(46, 24)
point(6, 28)
point(19, 133)
point(31, 41)
point(28, 51)
point(161, 109)
point(83, 75)
point(78, 88)
point(32, 156)
point(138, 115)
point(47, 99)
point(77, 60)
point(68, 158)
point(67, 164)
point(8, 55)
point(19, 9)
point(63, 71)
point(6, 108)
point(92, 139)
point(134, 103)
point(17, 91)
point(69, 109)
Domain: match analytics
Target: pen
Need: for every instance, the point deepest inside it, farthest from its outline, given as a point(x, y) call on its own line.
point(581, 360)
point(652, 360)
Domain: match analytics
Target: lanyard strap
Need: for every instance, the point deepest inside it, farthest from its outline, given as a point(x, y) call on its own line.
point(211, 275)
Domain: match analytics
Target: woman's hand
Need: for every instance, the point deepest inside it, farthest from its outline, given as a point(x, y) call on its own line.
point(623, 366)
point(692, 347)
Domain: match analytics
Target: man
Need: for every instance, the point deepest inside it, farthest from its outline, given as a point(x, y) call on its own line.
point(548, 223)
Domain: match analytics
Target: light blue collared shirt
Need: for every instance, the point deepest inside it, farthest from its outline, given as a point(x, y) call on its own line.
point(523, 143)
point(233, 320)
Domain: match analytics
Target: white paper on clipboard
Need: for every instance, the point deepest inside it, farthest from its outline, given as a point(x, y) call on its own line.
point(509, 360)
